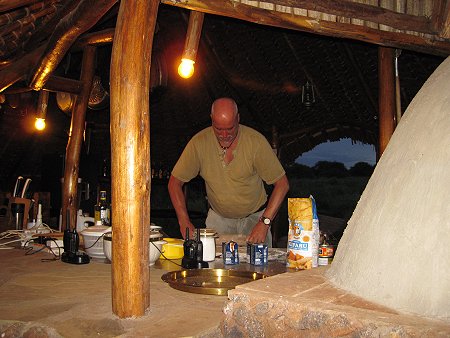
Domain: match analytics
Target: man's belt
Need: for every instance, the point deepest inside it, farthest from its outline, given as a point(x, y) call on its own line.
point(261, 208)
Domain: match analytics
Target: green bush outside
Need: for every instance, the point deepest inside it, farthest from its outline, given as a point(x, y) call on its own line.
point(334, 196)
point(335, 189)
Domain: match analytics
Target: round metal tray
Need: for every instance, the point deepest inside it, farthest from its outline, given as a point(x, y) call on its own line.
point(210, 281)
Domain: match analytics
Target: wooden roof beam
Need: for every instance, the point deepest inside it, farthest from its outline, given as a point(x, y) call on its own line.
point(275, 18)
point(13, 72)
point(54, 84)
point(19, 70)
point(41, 34)
point(441, 18)
point(6, 5)
point(82, 18)
point(61, 84)
point(356, 10)
point(95, 39)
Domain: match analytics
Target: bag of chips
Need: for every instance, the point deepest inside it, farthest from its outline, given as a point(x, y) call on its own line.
point(303, 235)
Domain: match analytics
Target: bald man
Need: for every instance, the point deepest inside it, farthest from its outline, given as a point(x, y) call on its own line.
point(234, 160)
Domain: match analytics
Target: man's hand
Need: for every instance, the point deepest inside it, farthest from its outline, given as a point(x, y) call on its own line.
point(184, 226)
point(259, 233)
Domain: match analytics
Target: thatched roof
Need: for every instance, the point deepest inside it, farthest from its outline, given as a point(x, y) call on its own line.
point(262, 62)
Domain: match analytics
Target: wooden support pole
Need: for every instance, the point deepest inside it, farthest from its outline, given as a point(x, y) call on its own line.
point(194, 31)
point(73, 149)
point(42, 104)
point(386, 97)
point(130, 156)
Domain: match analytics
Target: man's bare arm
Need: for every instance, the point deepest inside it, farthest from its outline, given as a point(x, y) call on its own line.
point(176, 193)
point(259, 232)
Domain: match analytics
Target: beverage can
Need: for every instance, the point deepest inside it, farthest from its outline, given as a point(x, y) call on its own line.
point(326, 250)
point(326, 254)
point(230, 253)
point(325, 260)
point(259, 253)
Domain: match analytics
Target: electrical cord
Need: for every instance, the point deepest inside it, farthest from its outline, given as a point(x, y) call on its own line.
point(23, 236)
point(100, 237)
point(31, 251)
point(26, 237)
point(56, 256)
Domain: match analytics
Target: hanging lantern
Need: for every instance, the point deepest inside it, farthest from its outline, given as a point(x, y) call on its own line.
point(308, 97)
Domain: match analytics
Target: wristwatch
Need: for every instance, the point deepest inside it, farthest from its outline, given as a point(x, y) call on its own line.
point(267, 221)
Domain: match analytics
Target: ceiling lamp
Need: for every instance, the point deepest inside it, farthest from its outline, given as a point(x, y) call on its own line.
point(41, 113)
point(308, 97)
point(186, 67)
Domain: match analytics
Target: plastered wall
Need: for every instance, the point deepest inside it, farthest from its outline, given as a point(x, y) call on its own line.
point(396, 248)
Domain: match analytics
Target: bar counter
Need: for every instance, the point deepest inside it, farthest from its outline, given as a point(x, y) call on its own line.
point(38, 294)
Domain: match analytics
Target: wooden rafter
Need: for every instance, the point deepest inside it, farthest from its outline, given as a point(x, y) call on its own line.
point(97, 38)
point(441, 18)
point(234, 9)
point(67, 31)
point(6, 5)
point(46, 30)
point(18, 70)
point(360, 11)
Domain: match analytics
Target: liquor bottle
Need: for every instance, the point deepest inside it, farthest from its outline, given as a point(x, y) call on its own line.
point(104, 180)
point(102, 209)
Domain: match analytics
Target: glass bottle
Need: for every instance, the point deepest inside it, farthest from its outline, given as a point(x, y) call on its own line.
point(104, 180)
point(102, 209)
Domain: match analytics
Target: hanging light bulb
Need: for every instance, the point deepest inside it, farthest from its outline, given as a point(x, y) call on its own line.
point(186, 67)
point(41, 113)
point(39, 124)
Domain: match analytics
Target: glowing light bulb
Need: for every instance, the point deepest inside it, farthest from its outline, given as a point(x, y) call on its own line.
point(186, 68)
point(39, 124)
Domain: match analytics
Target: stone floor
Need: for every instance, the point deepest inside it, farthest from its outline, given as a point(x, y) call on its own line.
point(53, 299)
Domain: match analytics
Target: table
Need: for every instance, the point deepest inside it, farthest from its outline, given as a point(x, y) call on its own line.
point(75, 301)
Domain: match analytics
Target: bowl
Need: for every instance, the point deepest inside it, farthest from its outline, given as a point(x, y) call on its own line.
point(154, 250)
point(93, 240)
point(173, 249)
point(107, 245)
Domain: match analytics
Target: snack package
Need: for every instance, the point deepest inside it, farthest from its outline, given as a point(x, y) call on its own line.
point(303, 235)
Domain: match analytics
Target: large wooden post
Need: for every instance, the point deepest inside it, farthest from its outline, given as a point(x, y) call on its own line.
point(73, 149)
point(386, 97)
point(130, 156)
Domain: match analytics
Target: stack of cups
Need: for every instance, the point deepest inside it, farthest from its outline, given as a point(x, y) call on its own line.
point(208, 238)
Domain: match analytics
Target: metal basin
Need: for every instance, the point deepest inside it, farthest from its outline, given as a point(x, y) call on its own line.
point(210, 281)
